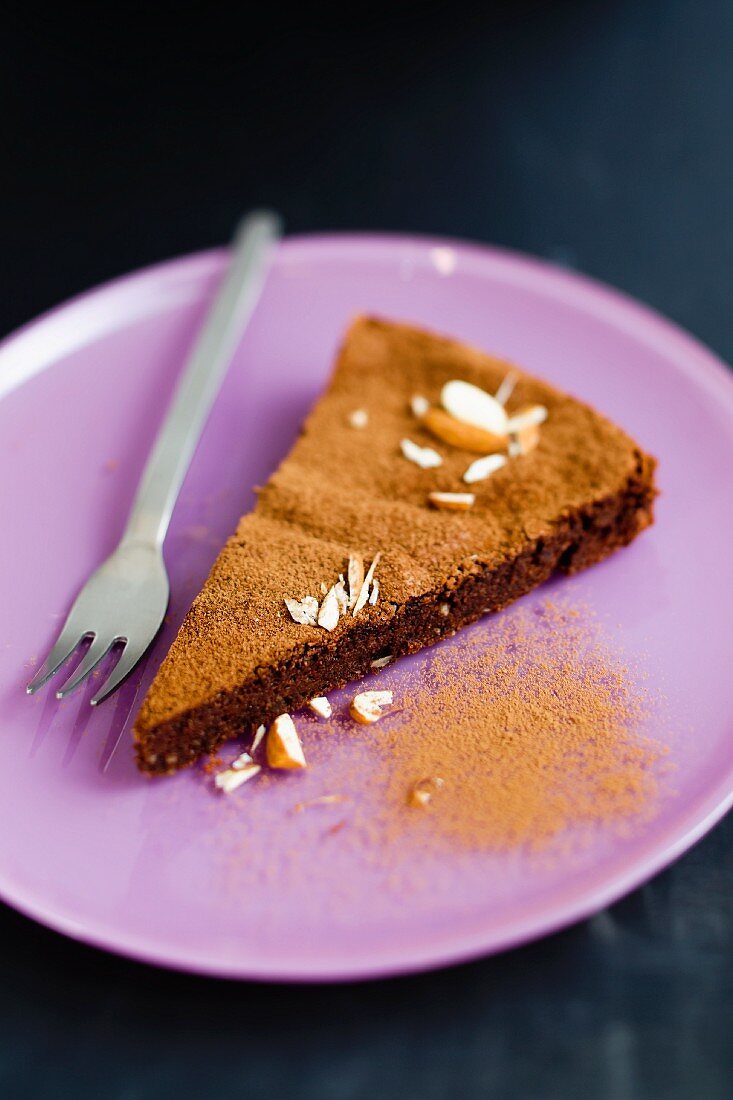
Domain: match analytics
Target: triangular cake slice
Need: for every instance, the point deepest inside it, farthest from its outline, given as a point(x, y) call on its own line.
point(346, 489)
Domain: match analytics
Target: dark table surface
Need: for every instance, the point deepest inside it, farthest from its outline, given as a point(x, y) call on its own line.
point(598, 135)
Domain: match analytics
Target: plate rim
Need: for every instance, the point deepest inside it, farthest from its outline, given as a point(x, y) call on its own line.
point(184, 274)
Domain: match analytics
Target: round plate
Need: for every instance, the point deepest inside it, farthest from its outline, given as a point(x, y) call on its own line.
point(239, 887)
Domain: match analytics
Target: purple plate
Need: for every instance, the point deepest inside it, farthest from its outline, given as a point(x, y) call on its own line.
point(240, 886)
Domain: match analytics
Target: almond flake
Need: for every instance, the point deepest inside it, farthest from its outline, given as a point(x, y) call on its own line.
point(422, 792)
point(364, 593)
point(303, 611)
point(460, 434)
point(228, 780)
point(355, 573)
point(424, 457)
point(324, 588)
point(483, 468)
point(320, 706)
point(257, 739)
point(527, 418)
point(241, 761)
point(366, 706)
point(374, 595)
point(382, 662)
point(419, 405)
point(474, 406)
point(452, 502)
point(339, 590)
point(328, 616)
point(284, 749)
point(359, 418)
point(506, 389)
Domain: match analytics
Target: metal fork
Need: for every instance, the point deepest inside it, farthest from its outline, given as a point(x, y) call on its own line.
point(124, 601)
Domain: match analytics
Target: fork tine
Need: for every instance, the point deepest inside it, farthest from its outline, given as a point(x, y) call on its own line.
point(94, 655)
point(130, 656)
point(65, 645)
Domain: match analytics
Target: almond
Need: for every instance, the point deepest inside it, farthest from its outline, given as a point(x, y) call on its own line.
point(419, 405)
point(374, 594)
point(506, 389)
point(355, 576)
point(422, 792)
point(474, 406)
point(257, 739)
point(321, 706)
point(228, 780)
point(524, 441)
point(328, 616)
point(382, 662)
point(528, 417)
point(366, 707)
point(460, 434)
point(303, 611)
point(424, 457)
point(364, 591)
point(359, 418)
point(483, 468)
point(284, 749)
point(452, 502)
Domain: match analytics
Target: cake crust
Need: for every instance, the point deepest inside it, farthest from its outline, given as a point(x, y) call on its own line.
point(239, 659)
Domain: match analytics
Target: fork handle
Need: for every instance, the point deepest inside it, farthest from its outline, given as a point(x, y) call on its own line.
point(199, 383)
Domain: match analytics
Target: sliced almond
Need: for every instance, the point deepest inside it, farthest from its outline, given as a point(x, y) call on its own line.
point(319, 800)
point(382, 662)
point(483, 468)
point(452, 502)
point(359, 418)
point(474, 406)
point(424, 790)
point(530, 417)
point(328, 616)
point(303, 611)
point(364, 592)
point(366, 707)
point(341, 595)
point(355, 576)
point(460, 434)
point(257, 739)
point(419, 405)
point(523, 441)
point(242, 761)
point(506, 389)
point(284, 749)
point(374, 594)
point(424, 457)
point(321, 706)
point(228, 780)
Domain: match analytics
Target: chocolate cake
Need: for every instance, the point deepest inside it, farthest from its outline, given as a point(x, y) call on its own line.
point(359, 485)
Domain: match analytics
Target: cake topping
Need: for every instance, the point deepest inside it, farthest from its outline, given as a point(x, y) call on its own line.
point(284, 749)
point(321, 706)
point(319, 800)
point(242, 761)
point(452, 502)
point(382, 662)
point(359, 418)
point(328, 616)
point(506, 389)
point(467, 402)
point(303, 611)
point(419, 405)
point(532, 416)
point(483, 468)
point(364, 592)
point(233, 777)
point(422, 792)
point(459, 433)
point(366, 707)
point(524, 441)
point(257, 739)
point(424, 457)
point(355, 575)
point(374, 595)
point(342, 598)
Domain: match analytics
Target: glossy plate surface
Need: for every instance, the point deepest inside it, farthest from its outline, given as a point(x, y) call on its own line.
point(165, 871)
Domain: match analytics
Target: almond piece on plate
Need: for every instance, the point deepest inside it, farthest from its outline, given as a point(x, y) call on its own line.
point(366, 707)
point(422, 792)
point(231, 778)
point(257, 739)
point(424, 457)
point(452, 502)
point(284, 749)
point(320, 706)
point(461, 434)
point(474, 406)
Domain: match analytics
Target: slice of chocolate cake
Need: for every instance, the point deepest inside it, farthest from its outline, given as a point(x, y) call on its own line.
point(392, 467)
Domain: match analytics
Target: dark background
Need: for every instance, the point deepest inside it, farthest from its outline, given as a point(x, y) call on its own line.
point(598, 135)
